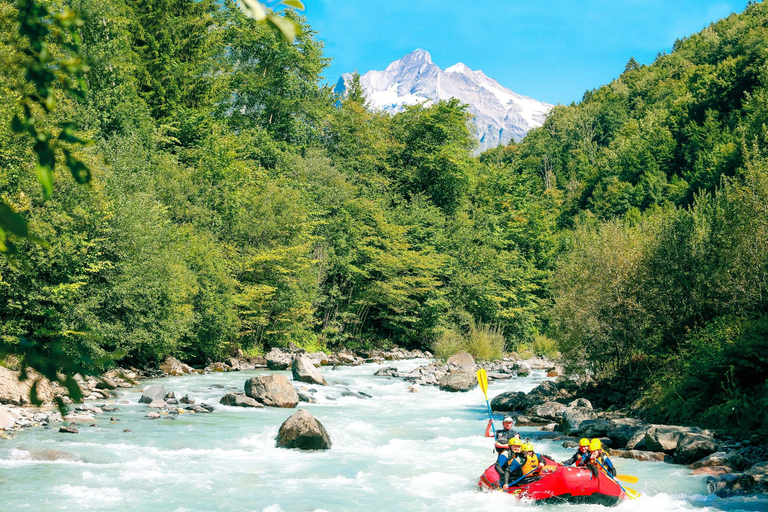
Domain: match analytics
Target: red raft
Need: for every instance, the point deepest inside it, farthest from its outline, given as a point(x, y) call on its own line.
point(563, 484)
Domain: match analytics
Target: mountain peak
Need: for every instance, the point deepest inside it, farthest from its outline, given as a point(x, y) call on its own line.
point(500, 114)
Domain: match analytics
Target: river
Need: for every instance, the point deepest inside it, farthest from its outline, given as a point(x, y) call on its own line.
point(396, 451)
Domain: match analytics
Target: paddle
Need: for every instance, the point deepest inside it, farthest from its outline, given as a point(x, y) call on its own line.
point(629, 492)
point(627, 478)
point(482, 379)
point(525, 475)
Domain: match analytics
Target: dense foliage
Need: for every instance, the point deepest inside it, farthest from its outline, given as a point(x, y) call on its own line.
point(236, 203)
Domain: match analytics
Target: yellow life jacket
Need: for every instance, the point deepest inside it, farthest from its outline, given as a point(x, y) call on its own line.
point(531, 463)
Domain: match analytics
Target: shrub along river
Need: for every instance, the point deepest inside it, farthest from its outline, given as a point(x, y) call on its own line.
point(395, 451)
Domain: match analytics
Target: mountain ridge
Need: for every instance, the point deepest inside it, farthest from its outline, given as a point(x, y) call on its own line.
point(500, 114)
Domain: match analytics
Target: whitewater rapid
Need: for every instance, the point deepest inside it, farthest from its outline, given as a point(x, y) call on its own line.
point(397, 451)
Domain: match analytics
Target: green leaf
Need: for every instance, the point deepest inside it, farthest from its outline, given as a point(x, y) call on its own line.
point(79, 170)
point(294, 3)
point(287, 28)
point(254, 9)
point(45, 177)
point(12, 221)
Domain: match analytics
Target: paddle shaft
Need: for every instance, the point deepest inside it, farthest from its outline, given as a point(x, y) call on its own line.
point(608, 474)
point(482, 379)
point(525, 475)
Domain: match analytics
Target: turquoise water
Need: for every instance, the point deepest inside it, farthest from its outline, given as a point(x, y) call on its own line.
point(397, 451)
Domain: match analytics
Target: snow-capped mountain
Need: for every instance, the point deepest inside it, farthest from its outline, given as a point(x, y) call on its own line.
point(500, 114)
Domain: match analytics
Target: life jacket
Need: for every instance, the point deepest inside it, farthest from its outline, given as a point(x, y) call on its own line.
point(582, 458)
point(531, 463)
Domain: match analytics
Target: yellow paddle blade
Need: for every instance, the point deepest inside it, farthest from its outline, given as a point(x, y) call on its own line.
point(482, 379)
point(627, 478)
point(631, 493)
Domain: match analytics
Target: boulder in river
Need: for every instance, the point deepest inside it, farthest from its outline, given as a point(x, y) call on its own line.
point(304, 371)
point(463, 380)
point(732, 460)
point(462, 360)
point(272, 390)
point(156, 392)
point(693, 447)
point(303, 431)
point(68, 430)
point(278, 360)
point(239, 400)
point(621, 430)
point(594, 428)
point(510, 401)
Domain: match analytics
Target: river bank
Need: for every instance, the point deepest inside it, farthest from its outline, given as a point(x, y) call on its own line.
point(534, 408)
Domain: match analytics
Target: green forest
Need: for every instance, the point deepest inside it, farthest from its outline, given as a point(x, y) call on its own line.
point(233, 202)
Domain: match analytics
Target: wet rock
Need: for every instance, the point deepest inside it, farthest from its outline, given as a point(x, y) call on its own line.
point(759, 473)
point(573, 417)
point(550, 410)
point(304, 370)
point(239, 400)
point(201, 409)
point(642, 455)
point(413, 389)
point(459, 381)
point(68, 430)
point(278, 360)
point(6, 420)
point(390, 371)
point(712, 470)
point(218, 367)
point(272, 390)
point(664, 438)
point(113, 419)
point(303, 431)
point(594, 428)
point(127, 431)
point(549, 427)
point(186, 400)
point(621, 430)
point(306, 397)
point(110, 408)
point(462, 360)
point(521, 369)
point(156, 392)
point(510, 401)
point(355, 394)
point(694, 447)
point(152, 415)
point(157, 404)
point(729, 484)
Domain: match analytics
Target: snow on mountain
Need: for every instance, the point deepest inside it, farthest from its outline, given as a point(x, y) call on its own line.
point(500, 113)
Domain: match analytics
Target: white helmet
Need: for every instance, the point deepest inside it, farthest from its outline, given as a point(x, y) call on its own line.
point(507, 419)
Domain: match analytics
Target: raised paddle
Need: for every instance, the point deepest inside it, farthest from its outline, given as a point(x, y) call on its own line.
point(482, 379)
point(629, 492)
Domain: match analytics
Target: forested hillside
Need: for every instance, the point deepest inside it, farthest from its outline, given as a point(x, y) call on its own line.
point(235, 203)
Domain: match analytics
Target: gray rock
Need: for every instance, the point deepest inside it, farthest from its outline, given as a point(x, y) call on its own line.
point(304, 371)
point(355, 394)
point(156, 392)
point(581, 402)
point(462, 360)
point(158, 404)
point(642, 455)
point(68, 430)
point(303, 431)
point(594, 428)
point(664, 438)
point(462, 380)
point(694, 447)
point(278, 360)
point(152, 415)
point(623, 429)
point(272, 390)
point(239, 400)
point(732, 460)
point(186, 400)
point(730, 484)
point(522, 369)
point(6, 420)
point(202, 408)
point(759, 473)
point(389, 371)
point(510, 401)
point(306, 397)
point(550, 410)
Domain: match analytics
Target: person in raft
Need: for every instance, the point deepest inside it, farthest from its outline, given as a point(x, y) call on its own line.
point(581, 456)
point(527, 464)
point(504, 435)
point(598, 457)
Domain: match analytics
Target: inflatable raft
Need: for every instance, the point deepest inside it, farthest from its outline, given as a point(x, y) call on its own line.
point(563, 484)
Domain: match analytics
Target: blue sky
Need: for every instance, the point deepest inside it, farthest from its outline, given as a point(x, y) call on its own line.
point(551, 50)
